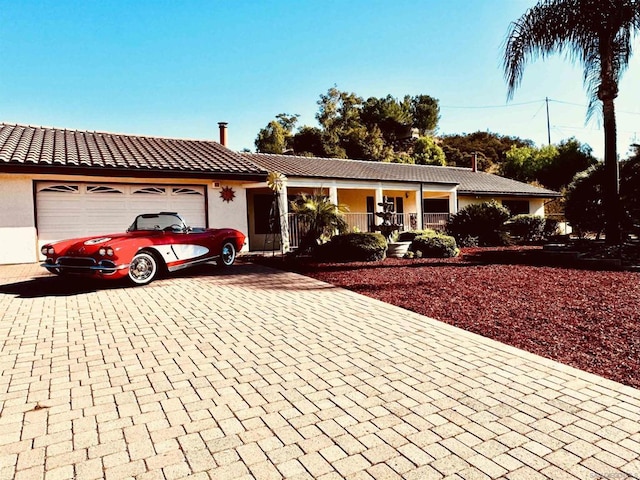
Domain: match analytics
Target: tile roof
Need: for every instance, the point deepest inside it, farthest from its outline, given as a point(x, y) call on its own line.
point(469, 182)
point(22, 145)
point(28, 146)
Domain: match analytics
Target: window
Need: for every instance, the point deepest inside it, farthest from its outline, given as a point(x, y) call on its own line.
point(186, 191)
point(151, 190)
point(516, 207)
point(102, 189)
point(435, 205)
point(61, 188)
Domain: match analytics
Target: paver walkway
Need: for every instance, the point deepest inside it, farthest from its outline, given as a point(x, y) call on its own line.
point(255, 373)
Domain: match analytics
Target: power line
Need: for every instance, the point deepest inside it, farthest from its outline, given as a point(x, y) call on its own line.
point(493, 106)
point(541, 101)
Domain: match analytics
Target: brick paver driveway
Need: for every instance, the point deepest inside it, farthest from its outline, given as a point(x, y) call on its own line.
point(255, 373)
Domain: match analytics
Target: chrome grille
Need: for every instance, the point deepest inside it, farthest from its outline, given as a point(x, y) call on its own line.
point(76, 262)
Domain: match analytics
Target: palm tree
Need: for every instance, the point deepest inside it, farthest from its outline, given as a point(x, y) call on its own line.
point(598, 34)
point(320, 217)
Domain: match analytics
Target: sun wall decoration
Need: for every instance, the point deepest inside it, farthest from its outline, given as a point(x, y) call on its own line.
point(227, 194)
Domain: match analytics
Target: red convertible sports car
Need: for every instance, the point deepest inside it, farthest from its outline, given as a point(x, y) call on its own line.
point(153, 244)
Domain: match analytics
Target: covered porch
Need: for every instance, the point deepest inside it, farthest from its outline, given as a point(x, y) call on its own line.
point(415, 206)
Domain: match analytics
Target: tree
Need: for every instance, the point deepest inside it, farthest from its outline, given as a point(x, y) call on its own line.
point(339, 118)
point(425, 112)
point(598, 34)
point(584, 204)
point(277, 136)
point(553, 166)
point(630, 191)
point(525, 163)
point(427, 152)
point(572, 157)
point(584, 209)
point(490, 148)
point(308, 142)
point(378, 129)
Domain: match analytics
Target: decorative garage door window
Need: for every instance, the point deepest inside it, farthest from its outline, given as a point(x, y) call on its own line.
point(102, 189)
point(151, 190)
point(61, 188)
point(186, 191)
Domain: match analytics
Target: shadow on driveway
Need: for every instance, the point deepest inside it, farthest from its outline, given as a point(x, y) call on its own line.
point(245, 274)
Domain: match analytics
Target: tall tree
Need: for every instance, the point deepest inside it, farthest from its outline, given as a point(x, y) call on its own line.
point(277, 136)
point(599, 35)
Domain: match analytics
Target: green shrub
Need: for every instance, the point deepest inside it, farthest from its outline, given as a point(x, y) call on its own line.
point(485, 221)
point(433, 245)
point(409, 236)
point(353, 247)
point(527, 228)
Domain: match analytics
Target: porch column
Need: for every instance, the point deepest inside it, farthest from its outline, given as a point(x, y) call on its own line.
point(379, 198)
point(419, 211)
point(333, 195)
point(453, 201)
point(283, 205)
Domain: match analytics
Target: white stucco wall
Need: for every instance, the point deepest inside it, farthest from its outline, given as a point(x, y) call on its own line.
point(18, 241)
point(18, 234)
point(231, 214)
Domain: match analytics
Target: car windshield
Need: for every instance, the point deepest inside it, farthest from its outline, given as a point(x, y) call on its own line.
point(158, 221)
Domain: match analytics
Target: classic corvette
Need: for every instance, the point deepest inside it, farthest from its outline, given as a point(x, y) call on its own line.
point(153, 244)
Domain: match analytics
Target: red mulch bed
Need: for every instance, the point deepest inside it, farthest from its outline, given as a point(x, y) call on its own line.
point(584, 318)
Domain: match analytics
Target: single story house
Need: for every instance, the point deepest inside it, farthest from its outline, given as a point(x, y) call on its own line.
point(57, 183)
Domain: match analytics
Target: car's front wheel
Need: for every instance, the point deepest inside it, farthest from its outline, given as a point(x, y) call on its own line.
point(227, 254)
point(143, 268)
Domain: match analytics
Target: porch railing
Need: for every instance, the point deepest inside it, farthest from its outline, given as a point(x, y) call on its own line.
point(365, 222)
point(435, 221)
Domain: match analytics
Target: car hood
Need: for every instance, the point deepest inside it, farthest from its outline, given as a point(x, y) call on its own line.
point(89, 245)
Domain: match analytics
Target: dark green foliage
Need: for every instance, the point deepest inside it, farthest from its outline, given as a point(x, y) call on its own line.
point(434, 245)
point(378, 129)
point(491, 148)
point(353, 247)
point(630, 192)
point(553, 166)
point(527, 228)
point(584, 209)
point(573, 157)
point(483, 221)
point(409, 236)
point(320, 219)
point(551, 228)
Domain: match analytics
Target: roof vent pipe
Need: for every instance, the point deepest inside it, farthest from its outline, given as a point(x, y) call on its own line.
point(223, 133)
point(474, 162)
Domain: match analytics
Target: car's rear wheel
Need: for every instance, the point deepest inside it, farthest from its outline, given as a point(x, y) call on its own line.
point(143, 268)
point(227, 254)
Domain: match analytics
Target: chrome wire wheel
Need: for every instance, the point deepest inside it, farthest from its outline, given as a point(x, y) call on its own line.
point(143, 268)
point(228, 254)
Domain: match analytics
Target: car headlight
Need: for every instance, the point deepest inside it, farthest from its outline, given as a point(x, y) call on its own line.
point(106, 251)
point(47, 250)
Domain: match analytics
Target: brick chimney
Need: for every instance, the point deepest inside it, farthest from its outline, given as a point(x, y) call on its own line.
point(474, 162)
point(223, 133)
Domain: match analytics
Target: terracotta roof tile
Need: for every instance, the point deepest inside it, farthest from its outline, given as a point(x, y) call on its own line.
point(51, 147)
point(470, 182)
point(29, 145)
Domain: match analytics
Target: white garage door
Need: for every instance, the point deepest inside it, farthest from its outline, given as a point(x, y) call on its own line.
point(68, 209)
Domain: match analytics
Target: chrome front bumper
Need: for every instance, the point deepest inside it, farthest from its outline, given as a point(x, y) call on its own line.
point(82, 265)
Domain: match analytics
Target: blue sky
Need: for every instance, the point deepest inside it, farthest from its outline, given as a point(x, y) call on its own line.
point(175, 69)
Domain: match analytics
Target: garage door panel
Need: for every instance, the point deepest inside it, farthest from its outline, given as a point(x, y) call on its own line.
point(67, 210)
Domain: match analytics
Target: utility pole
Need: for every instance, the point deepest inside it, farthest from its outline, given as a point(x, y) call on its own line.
point(546, 99)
